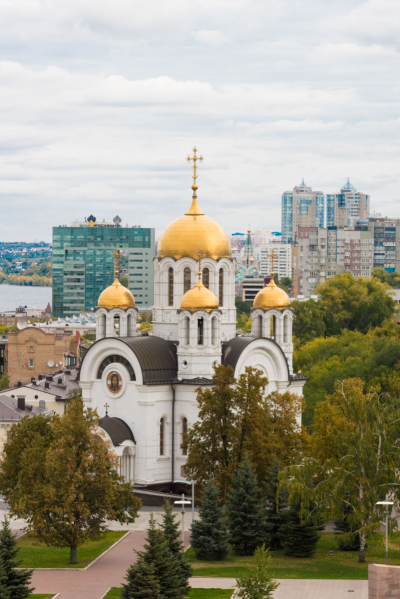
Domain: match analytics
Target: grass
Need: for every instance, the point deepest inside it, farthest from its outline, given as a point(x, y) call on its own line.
point(340, 565)
point(115, 593)
point(37, 555)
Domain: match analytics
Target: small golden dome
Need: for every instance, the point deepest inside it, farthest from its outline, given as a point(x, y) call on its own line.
point(271, 297)
point(116, 296)
point(199, 298)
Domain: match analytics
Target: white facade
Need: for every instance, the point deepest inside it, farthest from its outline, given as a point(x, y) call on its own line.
point(282, 259)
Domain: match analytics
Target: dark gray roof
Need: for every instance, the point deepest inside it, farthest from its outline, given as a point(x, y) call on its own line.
point(117, 429)
point(232, 349)
point(9, 409)
point(200, 380)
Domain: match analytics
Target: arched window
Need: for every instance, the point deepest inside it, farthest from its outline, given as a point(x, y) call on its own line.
point(187, 282)
point(206, 278)
point(273, 327)
point(127, 464)
point(200, 331)
point(116, 326)
point(184, 433)
point(258, 326)
point(286, 329)
point(162, 435)
point(186, 331)
point(221, 286)
point(170, 286)
point(214, 330)
point(115, 359)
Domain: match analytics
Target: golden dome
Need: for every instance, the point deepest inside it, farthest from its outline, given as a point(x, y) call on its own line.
point(116, 296)
point(271, 297)
point(199, 298)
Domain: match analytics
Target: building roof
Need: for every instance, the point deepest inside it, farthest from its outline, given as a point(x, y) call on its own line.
point(9, 409)
point(59, 383)
point(157, 358)
point(117, 430)
point(232, 349)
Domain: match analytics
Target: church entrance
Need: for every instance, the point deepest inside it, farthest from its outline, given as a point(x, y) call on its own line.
point(127, 465)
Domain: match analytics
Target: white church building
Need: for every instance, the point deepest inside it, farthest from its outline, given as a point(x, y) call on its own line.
point(144, 386)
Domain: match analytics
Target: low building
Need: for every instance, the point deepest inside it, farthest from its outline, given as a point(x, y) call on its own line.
point(13, 410)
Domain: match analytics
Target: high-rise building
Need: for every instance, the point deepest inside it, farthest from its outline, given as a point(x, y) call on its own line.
point(344, 209)
point(83, 263)
point(282, 259)
point(301, 207)
point(386, 235)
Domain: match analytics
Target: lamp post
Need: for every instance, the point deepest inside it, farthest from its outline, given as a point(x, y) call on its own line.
point(386, 512)
point(182, 502)
point(188, 482)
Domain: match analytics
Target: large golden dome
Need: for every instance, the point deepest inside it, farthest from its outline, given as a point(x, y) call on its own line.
point(199, 298)
point(271, 297)
point(186, 235)
point(116, 296)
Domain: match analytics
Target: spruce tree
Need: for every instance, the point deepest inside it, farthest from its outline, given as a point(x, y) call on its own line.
point(210, 533)
point(15, 581)
point(246, 511)
point(141, 582)
point(170, 527)
point(4, 592)
point(275, 510)
point(299, 539)
point(166, 567)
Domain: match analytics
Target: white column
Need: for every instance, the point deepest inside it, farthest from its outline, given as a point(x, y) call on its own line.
point(266, 325)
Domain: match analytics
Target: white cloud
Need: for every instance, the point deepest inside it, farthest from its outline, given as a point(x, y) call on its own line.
point(211, 38)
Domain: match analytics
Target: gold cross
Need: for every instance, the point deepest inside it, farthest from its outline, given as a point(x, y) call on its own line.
point(199, 255)
point(106, 407)
point(195, 158)
point(272, 255)
point(117, 256)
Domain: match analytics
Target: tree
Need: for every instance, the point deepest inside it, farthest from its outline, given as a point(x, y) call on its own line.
point(275, 508)
point(308, 322)
point(166, 567)
point(390, 278)
point(257, 583)
point(60, 476)
point(299, 536)
point(4, 592)
point(15, 580)
point(354, 304)
point(242, 306)
point(4, 381)
point(210, 532)
point(244, 322)
point(353, 459)
point(246, 514)
point(236, 418)
point(141, 582)
point(170, 527)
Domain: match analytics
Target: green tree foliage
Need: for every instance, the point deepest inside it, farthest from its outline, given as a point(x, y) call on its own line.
point(285, 283)
point(299, 536)
point(275, 508)
point(354, 459)
point(242, 307)
point(246, 514)
point(374, 358)
point(308, 321)
point(346, 539)
point(60, 476)
point(244, 322)
point(210, 532)
point(141, 582)
point(14, 579)
point(390, 278)
point(257, 582)
point(354, 304)
point(170, 527)
point(4, 593)
point(157, 554)
point(235, 418)
point(124, 280)
point(4, 381)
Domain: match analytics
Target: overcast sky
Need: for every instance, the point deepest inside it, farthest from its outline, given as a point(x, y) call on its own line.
point(101, 101)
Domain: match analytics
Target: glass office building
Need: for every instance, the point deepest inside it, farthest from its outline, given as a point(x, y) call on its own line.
point(83, 263)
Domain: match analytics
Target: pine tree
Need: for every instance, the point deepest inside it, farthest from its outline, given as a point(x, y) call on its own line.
point(4, 592)
point(275, 510)
point(246, 511)
point(16, 581)
point(348, 539)
point(170, 527)
point(166, 567)
point(299, 539)
point(141, 582)
point(210, 533)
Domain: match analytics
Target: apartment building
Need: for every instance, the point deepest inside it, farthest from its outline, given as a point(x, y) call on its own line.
point(344, 209)
point(301, 207)
point(282, 259)
point(386, 235)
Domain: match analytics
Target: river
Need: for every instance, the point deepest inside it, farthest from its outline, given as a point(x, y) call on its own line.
point(12, 296)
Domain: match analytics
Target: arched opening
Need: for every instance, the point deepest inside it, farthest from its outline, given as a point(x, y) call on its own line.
point(258, 326)
point(162, 436)
point(221, 287)
point(206, 278)
point(214, 330)
point(273, 328)
point(170, 286)
point(102, 326)
point(186, 331)
point(200, 331)
point(286, 329)
point(184, 433)
point(128, 465)
point(187, 280)
point(116, 326)
point(131, 325)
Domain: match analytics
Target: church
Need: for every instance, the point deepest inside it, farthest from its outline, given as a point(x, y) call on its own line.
point(144, 386)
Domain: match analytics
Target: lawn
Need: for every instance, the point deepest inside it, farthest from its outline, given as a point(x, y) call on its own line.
point(339, 565)
point(193, 594)
point(37, 555)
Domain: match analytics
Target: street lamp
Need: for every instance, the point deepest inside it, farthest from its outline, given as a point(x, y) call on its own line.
point(188, 482)
point(386, 512)
point(182, 502)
